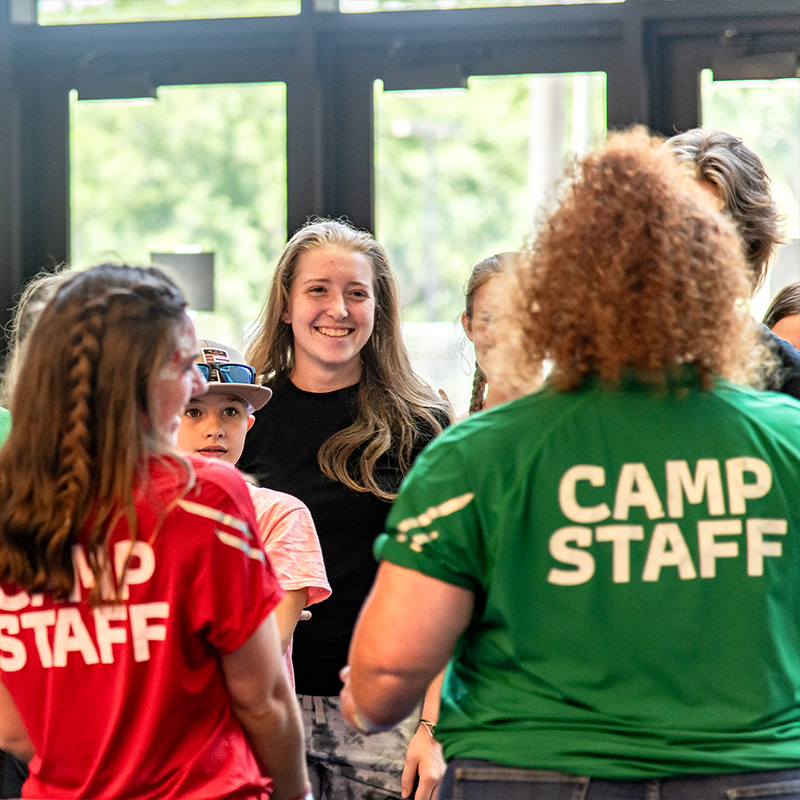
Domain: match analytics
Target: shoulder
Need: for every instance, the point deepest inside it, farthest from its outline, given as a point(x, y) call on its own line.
point(495, 433)
point(202, 512)
point(218, 486)
point(763, 405)
point(268, 500)
point(213, 473)
point(493, 421)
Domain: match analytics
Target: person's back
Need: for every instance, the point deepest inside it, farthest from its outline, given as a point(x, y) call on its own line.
point(650, 550)
point(140, 655)
point(177, 736)
point(610, 564)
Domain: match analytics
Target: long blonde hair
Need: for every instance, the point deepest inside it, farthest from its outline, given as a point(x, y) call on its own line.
point(392, 401)
point(79, 438)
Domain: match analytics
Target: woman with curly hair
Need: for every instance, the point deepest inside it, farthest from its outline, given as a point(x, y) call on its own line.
point(611, 565)
point(139, 654)
point(346, 420)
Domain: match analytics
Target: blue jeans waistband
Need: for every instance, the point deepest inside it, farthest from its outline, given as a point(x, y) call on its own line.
point(476, 779)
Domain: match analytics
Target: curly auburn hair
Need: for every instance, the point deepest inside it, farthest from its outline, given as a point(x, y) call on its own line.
point(634, 270)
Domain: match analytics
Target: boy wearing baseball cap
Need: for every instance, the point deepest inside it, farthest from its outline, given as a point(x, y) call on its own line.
point(214, 425)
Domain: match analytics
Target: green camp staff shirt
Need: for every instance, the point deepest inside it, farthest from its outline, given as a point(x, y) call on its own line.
point(635, 559)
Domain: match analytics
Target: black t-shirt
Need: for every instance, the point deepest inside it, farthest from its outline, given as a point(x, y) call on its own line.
point(281, 453)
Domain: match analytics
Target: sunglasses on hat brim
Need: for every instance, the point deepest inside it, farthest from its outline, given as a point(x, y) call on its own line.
point(228, 373)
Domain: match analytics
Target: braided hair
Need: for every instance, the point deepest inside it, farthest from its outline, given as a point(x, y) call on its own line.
point(481, 274)
point(80, 436)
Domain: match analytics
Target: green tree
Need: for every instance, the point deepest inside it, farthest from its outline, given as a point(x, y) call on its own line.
point(455, 178)
point(203, 166)
point(81, 12)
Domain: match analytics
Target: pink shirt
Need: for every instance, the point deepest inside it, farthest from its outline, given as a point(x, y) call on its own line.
point(290, 539)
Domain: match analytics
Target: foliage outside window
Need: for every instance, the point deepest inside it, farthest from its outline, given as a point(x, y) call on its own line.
point(362, 6)
point(461, 174)
point(81, 12)
point(203, 167)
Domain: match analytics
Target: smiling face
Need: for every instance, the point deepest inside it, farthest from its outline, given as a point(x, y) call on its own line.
point(331, 310)
point(178, 380)
point(214, 426)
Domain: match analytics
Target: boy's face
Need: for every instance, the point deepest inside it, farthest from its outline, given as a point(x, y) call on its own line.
point(214, 425)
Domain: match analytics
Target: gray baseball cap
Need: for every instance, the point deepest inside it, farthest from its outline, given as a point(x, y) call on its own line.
point(227, 372)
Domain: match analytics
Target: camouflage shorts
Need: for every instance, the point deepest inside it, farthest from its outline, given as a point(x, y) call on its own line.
point(345, 764)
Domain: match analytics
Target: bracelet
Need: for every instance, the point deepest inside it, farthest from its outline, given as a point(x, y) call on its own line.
point(431, 726)
point(308, 794)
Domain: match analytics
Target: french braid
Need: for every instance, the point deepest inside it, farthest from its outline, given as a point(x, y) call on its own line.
point(75, 456)
point(80, 440)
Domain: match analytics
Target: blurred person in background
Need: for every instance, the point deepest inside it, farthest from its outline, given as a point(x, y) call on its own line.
point(736, 177)
point(484, 299)
point(783, 315)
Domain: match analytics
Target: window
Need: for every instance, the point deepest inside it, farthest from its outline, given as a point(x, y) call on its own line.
point(202, 169)
point(72, 12)
point(461, 175)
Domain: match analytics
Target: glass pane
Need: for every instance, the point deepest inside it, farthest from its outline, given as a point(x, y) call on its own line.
point(460, 175)
point(765, 115)
point(362, 6)
point(71, 12)
point(202, 169)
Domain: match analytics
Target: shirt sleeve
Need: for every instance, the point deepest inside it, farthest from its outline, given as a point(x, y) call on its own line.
point(290, 539)
point(435, 526)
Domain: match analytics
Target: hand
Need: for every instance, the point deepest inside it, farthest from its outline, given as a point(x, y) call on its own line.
point(345, 696)
point(424, 758)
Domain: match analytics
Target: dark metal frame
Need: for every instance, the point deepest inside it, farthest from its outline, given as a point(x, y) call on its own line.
point(651, 50)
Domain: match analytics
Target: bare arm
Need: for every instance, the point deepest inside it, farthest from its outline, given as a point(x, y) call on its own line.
point(406, 632)
point(14, 737)
point(287, 613)
point(267, 709)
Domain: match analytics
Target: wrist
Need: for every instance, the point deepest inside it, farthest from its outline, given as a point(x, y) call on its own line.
point(428, 725)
